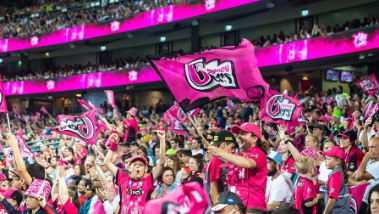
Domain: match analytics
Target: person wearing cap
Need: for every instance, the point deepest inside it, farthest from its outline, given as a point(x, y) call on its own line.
point(337, 126)
point(348, 124)
point(135, 188)
point(305, 192)
point(322, 120)
point(81, 152)
point(131, 125)
point(248, 169)
point(215, 175)
point(16, 180)
point(13, 196)
point(279, 187)
point(337, 191)
point(319, 131)
point(229, 202)
point(354, 155)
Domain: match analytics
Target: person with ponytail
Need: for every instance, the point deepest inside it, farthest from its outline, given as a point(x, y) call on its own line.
point(337, 192)
point(247, 175)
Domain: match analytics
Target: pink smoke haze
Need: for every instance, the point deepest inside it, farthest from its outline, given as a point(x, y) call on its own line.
point(142, 20)
point(82, 82)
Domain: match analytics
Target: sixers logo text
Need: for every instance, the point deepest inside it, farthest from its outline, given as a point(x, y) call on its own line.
point(83, 127)
point(204, 76)
point(368, 83)
point(278, 107)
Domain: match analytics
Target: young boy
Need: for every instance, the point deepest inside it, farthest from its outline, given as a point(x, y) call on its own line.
point(137, 187)
point(306, 197)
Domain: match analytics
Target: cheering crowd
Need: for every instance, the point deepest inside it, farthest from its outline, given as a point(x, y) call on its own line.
point(240, 163)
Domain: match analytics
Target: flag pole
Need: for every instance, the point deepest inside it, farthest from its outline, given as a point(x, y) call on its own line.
point(9, 124)
point(198, 132)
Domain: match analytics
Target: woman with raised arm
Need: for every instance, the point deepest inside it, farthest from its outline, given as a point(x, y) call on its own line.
point(136, 188)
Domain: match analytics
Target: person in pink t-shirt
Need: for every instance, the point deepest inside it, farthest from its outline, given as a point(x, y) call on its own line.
point(247, 170)
point(81, 152)
point(136, 188)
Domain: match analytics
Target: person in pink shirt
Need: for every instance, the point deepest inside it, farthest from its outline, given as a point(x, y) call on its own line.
point(135, 188)
point(131, 126)
point(69, 204)
point(81, 152)
point(248, 169)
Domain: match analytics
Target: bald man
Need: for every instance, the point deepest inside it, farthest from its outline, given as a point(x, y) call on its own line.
point(368, 171)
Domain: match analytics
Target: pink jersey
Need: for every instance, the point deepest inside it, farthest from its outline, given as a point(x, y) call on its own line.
point(289, 166)
point(250, 184)
point(134, 193)
point(305, 191)
point(69, 207)
point(84, 153)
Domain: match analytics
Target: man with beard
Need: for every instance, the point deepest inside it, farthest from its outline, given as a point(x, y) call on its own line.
point(279, 187)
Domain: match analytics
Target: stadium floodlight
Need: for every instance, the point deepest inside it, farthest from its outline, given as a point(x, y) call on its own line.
point(47, 54)
point(162, 39)
point(103, 48)
point(304, 12)
point(1, 60)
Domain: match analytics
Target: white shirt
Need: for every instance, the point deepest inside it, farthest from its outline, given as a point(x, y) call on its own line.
point(373, 169)
point(111, 207)
point(324, 172)
point(280, 189)
point(201, 151)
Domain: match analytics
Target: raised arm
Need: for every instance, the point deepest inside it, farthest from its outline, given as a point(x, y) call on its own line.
point(162, 155)
point(113, 140)
point(63, 192)
point(12, 141)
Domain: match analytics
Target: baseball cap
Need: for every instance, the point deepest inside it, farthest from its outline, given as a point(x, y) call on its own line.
point(249, 128)
point(335, 151)
point(275, 157)
point(170, 152)
point(323, 118)
point(14, 194)
point(138, 157)
point(227, 198)
point(337, 113)
point(223, 136)
point(125, 144)
point(134, 144)
point(352, 135)
point(317, 126)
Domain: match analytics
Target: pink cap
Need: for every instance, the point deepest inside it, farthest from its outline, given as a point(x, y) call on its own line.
point(323, 118)
point(249, 128)
point(14, 172)
point(81, 142)
point(133, 111)
point(335, 151)
point(138, 157)
point(3, 177)
point(215, 123)
point(39, 188)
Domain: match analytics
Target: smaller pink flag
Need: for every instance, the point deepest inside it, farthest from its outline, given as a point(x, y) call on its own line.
point(26, 118)
point(231, 104)
point(26, 152)
point(91, 104)
point(177, 112)
point(3, 103)
point(177, 127)
point(84, 104)
point(369, 83)
point(43, 109)
point(8, 153)
point(15, 111)
point(110, 97)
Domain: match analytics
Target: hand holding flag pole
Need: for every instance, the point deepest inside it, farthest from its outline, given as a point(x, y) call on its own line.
point(206, 143)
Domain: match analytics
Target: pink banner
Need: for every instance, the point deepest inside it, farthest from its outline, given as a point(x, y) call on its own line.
point(84, 104)
point(83, 81)
point(357, 193)
point(231, 105)
point(281, 109)
point(368, 83)
point(137, 21)
point(200, 78)
point(43, 109)
point(83, 127)
point(3, 103)
point(336, 44)
point(177, 127)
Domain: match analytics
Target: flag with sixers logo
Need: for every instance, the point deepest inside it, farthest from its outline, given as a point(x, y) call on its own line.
point(177, 127)
point(178, 113)
point(200, 78)
point(369, 83)
point(281, 109)
point(110, 97)
point(83, 127)
point(3, 103)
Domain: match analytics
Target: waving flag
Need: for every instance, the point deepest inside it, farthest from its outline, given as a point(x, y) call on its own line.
point(25, 151)
point(83, 127)
point(280, 108)
point(3, 103)
point(357, 193)
point(110, 98)
point(177, 127)
point(43, 109)
point(368, 83)
point(91, 104)
point(178, 113)
point(26, 118)
point(84, 104)
point(15, 111)
point(8, 153)
point(197, 79)
point(231, 104)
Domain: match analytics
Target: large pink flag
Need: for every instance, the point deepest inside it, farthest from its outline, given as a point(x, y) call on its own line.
point(84, 104)
point(200, 78)
point(110, 97)
point(369, 83)
point(357, 193)
point(188, 198)
point(43, 109)
point(280, 108)
point(3, 103)
point(83, 127)
point(178, 113)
